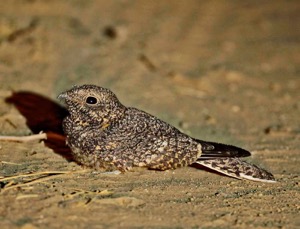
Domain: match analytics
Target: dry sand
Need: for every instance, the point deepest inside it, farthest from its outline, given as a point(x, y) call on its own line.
point(225, 71)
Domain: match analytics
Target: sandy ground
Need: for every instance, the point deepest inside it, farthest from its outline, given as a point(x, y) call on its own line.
point(225, 71)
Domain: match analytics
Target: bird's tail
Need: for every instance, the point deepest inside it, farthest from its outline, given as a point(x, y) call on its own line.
point(234, 167)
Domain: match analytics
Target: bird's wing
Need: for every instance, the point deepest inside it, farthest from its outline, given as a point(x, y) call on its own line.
point(216, 150)
point(153, 143)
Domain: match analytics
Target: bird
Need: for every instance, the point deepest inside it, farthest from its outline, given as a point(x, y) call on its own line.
point(105, 135)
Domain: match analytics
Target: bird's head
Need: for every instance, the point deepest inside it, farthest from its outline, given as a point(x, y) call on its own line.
point(92, 104)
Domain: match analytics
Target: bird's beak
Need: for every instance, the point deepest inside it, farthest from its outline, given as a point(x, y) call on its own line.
point(62, 96)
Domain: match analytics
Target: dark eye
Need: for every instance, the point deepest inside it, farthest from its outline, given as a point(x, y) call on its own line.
point(91, 100)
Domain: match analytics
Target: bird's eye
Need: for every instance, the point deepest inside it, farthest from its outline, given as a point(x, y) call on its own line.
point(91, 100)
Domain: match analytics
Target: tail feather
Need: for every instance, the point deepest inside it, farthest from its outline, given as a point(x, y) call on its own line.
point(234, 167)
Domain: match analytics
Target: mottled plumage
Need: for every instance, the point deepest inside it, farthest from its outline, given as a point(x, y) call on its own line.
point(104, 134)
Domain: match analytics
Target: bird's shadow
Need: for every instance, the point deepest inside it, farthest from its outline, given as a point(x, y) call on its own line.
point(43, 115)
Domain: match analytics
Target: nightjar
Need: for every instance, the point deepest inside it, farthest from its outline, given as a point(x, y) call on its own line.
point(104, 134)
